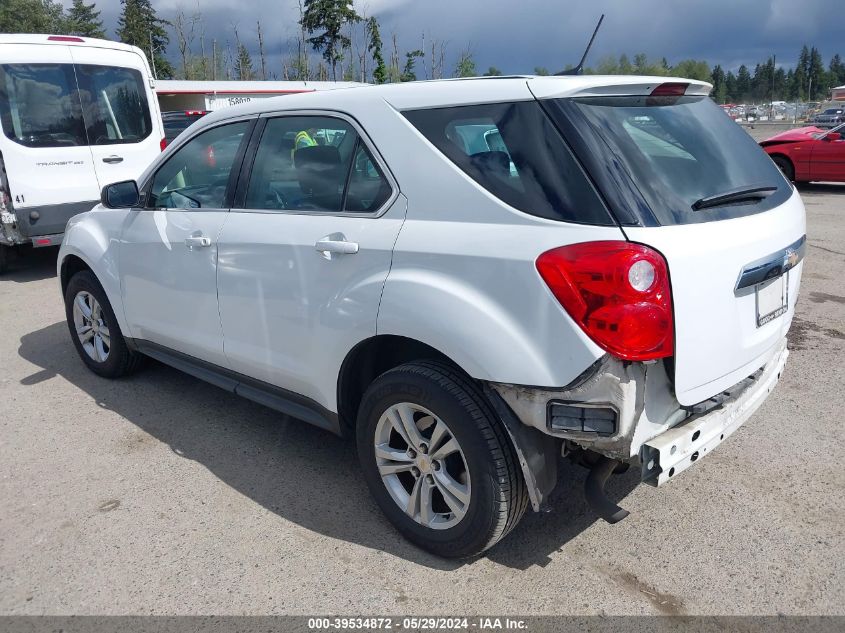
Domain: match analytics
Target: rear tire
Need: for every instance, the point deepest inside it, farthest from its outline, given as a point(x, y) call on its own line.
point(785, 166)
point(4, 258)
point(94, 329)
point(470, 455)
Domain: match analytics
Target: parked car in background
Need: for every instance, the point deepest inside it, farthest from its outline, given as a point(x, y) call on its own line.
point(830, 117)
point(809, 153)
point(473, 278)
point(76, 114)
point(177, 122)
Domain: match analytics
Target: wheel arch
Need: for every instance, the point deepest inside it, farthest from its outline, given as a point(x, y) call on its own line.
point(372, 357)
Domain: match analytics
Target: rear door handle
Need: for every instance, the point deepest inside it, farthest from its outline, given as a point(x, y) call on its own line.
point(340, 246)
point(113, 159)
point(200, 241)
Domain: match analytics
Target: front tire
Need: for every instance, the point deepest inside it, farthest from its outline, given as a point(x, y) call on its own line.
point(94, 329)
point(437, 461)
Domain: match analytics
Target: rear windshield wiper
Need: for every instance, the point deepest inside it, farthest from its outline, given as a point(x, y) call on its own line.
point(739, 194)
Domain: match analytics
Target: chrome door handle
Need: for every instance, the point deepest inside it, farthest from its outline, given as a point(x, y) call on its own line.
point(113, 159)
point(197, 240)
point(341, 247)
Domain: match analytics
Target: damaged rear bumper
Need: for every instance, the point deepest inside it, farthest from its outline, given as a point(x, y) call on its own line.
point(670, 453)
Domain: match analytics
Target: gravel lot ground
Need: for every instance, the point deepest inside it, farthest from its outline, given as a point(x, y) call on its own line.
point(161, 494)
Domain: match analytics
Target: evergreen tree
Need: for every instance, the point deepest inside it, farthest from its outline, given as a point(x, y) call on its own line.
point(837, 71)
point(32, 16)
point(493, 72)
point(743, 83)
point(800, 77)
point(138, 25)
point(330, 17)
point(83, 19)
point(719, 88)
point(816, 76)
point(541, 71)
point(408, 73)
point(243, 64)
point(625, 67)
point(466, 65)
point(375, 48)
point(730, 88)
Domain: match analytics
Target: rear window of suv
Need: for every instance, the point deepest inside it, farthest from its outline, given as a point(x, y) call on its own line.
point(515, 152)
point(660, 156)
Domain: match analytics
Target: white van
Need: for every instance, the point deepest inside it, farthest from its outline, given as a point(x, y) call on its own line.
point(75, 114)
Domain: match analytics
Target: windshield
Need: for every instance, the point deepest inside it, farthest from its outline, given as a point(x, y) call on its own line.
point(839, 129)
point(656, 157)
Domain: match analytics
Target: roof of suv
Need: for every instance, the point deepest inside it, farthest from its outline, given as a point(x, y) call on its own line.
point(453, 92)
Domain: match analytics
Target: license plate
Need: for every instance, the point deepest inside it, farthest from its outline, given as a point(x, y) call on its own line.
point(771, 298)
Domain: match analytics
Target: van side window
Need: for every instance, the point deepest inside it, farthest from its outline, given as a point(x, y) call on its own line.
point(310, 163)
point(197, 175)
point(114, 104)
point(39, 105)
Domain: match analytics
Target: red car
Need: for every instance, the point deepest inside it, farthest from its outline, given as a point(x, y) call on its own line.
point(809, 153)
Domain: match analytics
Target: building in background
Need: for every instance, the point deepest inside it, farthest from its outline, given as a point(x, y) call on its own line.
point(838, 94)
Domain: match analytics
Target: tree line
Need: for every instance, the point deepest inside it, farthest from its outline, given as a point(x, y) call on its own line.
point(334, 40)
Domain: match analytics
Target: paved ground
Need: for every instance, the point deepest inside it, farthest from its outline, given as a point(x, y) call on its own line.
point(160, 494)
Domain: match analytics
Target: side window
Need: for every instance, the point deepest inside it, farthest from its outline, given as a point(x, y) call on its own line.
point(368, 189)
point(39, 105)
point(304, 163)
point(114, 103)
point(514, 151)
point(197, 175)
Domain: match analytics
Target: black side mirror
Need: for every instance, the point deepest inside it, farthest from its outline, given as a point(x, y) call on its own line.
point(120, 195)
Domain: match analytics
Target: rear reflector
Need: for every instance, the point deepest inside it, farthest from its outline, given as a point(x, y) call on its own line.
point(195, 112)
point(43, 241)
point(583, 419)
point(670, 89)
point(617, 292)
point(64, 38)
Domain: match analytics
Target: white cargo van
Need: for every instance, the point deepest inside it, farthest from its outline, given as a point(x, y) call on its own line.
point(75, 115)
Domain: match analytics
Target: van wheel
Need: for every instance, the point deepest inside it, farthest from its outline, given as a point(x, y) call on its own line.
point(94, 329)
point(4, 258)
point(437, 461)
point(785, 166)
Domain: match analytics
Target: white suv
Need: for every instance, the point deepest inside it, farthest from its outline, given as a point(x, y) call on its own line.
point(471, 277)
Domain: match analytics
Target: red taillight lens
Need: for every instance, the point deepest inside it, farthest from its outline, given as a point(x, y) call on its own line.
point(162, 144)
point(617, 292)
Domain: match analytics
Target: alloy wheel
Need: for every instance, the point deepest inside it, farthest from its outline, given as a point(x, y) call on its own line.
point(422, 465)
point(91, 328)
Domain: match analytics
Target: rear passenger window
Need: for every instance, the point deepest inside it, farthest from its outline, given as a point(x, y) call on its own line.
point(39, 105)
point(314, 164)
point(197, 175)
point(514, 152)
point(114, 103)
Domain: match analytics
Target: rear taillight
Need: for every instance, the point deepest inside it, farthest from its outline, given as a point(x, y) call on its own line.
point(162, 144)
point(64, 38)
point(617, 292)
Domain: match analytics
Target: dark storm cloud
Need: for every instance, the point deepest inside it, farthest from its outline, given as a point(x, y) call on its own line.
point(516, 36)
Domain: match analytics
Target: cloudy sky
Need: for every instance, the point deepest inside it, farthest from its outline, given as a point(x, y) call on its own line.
point(517, 35)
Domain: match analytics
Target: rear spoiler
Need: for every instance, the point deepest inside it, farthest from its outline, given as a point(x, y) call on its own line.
point(612, 86)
